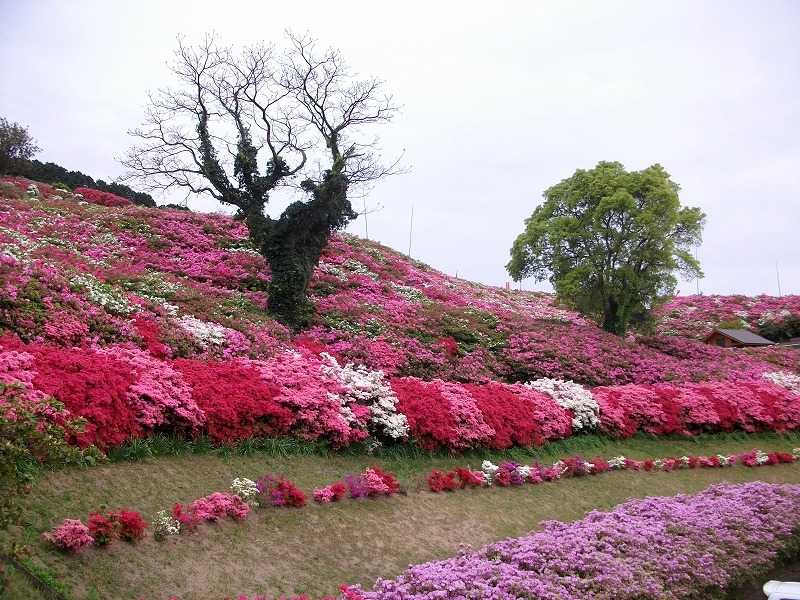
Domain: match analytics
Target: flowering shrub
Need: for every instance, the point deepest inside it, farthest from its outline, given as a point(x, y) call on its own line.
point(439, 481)
point(164, 524)
point(71, 536)
point(103, 528)
point(213, 507)
point(246, 489)
point(140, 320)
point(236, 401)
point(330, 493)
point(372, 482)
point(101, 198)
point(791, 381)
point(663, 409)
point(131, 525)
point(370, 388)
point(717, 536)
point(279, 491)
point(573, 397)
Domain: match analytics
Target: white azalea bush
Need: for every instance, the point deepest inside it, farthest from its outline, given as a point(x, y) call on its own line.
point(790, 381)
point(206, 334)
point(164, 525)
point(574, 397)
point(246, 489)
point(368, 388)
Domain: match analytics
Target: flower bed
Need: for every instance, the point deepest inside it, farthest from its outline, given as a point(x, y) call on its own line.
point(664, 548)
point(125, 393)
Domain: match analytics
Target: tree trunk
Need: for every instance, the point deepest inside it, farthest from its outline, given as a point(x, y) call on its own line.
point(294, 243)
point(613, 319)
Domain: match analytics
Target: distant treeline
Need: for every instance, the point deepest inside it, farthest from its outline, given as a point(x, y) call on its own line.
point(52, 173)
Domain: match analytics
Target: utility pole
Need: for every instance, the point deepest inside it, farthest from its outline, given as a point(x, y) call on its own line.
point(410, 229)
point(778, 277)
point(366, 225)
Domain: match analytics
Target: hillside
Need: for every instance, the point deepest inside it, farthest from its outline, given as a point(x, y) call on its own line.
point(184, 284)
point(147, 320)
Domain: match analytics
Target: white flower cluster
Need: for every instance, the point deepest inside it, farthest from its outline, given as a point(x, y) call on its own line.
point(359, 268)
point(618, 462)
point(574, 397)
point(489, 471)
point(408, 292)
point(164, 524)
point(246, 489)
point(330, 269)
point(33, 191)
point(207, 334)
point(790, 381)
point(761, 457)
point(369, 388)
point(796, 453)
point(725, 461)
point(101, 293)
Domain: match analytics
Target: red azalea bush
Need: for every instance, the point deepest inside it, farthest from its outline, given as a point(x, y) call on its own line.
point(131, 525)
point(518, 415)
point(101, 198)
point(279, 491)
point(103, 528)
point(719, 406)
point(439, 481)
point(127, 525)
point(236, 401)
point(90, 385)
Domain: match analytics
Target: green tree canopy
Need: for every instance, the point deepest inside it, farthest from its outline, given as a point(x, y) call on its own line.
point(610, 241)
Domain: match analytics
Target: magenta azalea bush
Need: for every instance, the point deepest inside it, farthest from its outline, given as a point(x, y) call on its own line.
point(665, 548)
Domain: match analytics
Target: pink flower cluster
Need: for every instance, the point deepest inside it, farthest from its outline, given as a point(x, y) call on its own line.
point(662, 548)
point(213, 507)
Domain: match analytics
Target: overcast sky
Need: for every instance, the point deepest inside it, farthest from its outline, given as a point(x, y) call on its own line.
point(500, 100)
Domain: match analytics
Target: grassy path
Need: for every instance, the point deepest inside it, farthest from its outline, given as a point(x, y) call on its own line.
point(314, 549)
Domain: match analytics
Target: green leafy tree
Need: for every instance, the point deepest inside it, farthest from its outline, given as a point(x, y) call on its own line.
point(15, 144)
point(610, 241)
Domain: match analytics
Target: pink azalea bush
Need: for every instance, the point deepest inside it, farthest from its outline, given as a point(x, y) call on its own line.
point(70, 536)
point(667, 548)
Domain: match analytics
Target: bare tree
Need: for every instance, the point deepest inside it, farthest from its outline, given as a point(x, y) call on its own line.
point(231, 109)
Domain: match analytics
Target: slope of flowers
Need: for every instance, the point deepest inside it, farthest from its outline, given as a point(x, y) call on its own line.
point(93, 272)
point(697, 316)
point(665, 548)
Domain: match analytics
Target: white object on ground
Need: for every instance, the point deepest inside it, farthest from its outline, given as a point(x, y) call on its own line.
point(782, 590)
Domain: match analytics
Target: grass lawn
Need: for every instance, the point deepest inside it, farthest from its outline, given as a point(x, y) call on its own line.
point(312, 550)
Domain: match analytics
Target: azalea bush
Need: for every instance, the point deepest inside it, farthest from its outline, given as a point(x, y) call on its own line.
point(718, 537)
point(71, 536)
point(278, 491)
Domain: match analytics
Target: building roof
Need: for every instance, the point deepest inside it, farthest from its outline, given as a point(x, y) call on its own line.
point(744, 336)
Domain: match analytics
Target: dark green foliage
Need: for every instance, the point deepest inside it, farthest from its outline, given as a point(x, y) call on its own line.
point(16, 145)
point(609, 241)
point(64, 179)
point(780, 331)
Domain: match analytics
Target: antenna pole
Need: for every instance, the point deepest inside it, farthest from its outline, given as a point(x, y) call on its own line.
point(778, 277)
point(410, 230)
point(366, 225)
